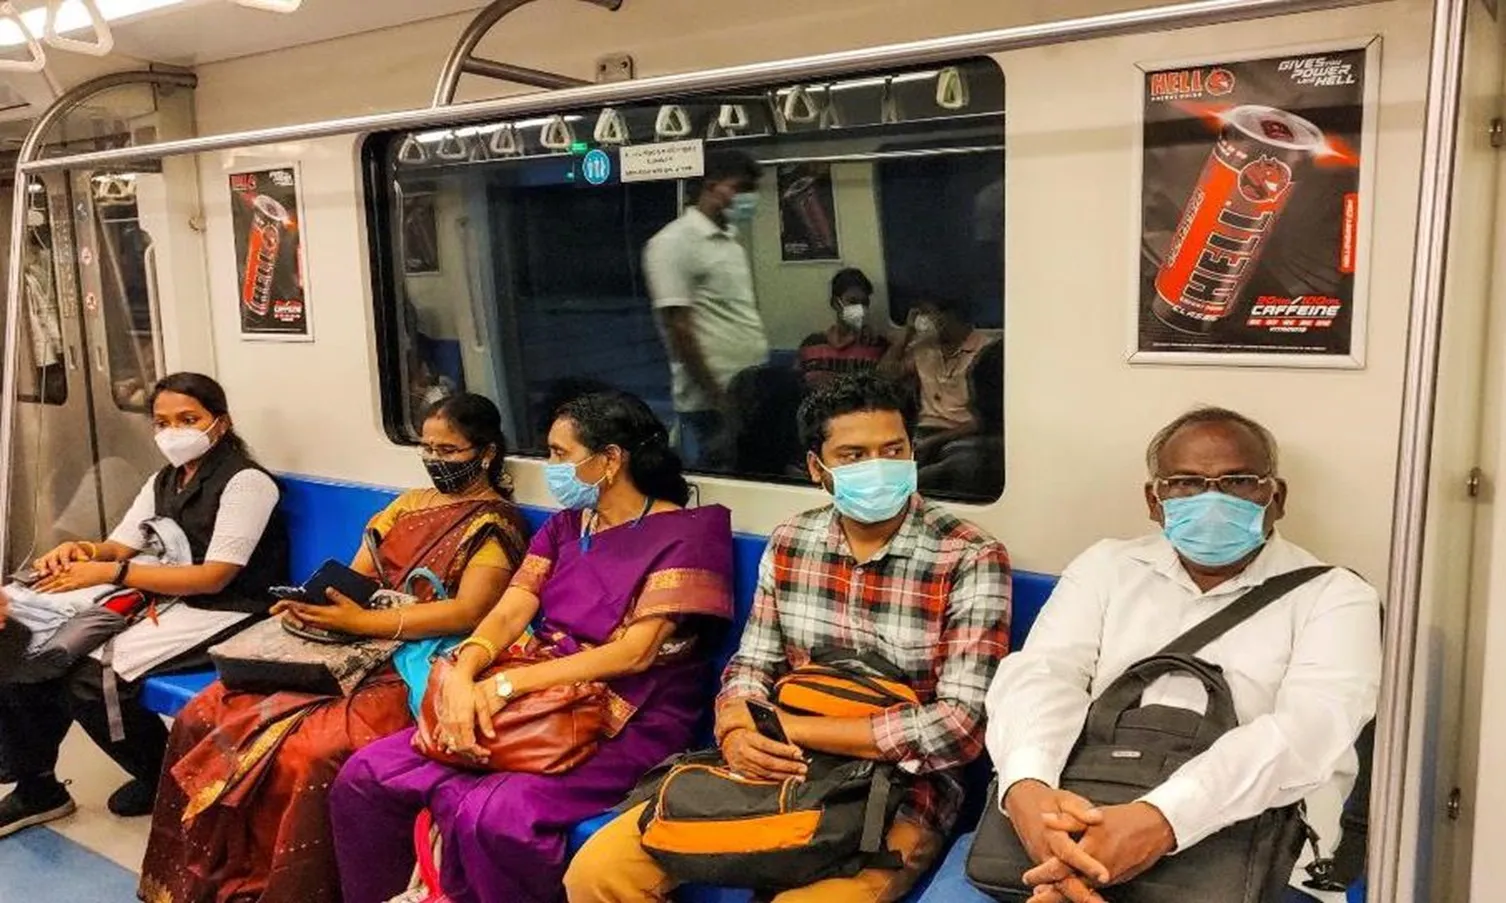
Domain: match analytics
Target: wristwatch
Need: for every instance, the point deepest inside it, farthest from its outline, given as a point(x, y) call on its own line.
point(504, 687)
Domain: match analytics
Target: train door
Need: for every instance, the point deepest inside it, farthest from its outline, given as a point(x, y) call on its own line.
point(92, 349)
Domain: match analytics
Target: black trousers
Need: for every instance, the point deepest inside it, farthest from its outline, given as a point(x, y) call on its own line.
point(34, 719)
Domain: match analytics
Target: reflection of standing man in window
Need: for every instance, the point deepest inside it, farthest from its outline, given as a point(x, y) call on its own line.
point(702, 287)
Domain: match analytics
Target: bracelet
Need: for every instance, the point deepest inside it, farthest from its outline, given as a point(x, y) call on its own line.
point(484, 644)
point(93, 549)
point(121, 572)
point(402, 617)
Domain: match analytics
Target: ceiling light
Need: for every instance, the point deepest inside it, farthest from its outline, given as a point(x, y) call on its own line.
point(72, 16)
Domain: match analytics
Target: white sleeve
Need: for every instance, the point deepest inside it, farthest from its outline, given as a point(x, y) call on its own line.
point(143, 509)
point(1040, 695)
point(1328, 693)
point(245, 507)
point(671, 282)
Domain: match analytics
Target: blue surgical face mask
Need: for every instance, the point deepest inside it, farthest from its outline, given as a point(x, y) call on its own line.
point(568, 489)
point(1214, 529)
point(744, 205)
point(872, 491)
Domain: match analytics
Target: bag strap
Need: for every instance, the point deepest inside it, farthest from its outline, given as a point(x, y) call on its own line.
point(875, 823)
point(1241, 610)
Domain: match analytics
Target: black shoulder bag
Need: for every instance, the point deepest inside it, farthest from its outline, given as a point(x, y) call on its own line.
point(1127, 750)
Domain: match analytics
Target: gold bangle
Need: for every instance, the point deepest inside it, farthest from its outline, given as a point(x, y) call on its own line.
point(93, 549)
point(402, 618)
point(484, 644)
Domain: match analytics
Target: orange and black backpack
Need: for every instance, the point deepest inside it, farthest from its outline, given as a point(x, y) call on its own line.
point(706, 824)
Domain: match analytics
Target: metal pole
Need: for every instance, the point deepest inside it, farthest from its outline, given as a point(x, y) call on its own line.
point(1414, 459)
point(30, 148)
point(462, 58)
point(801, 70)
point(522, 75)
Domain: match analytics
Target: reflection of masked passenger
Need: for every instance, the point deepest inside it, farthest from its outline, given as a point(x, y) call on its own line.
point(937, 350)
point(702, 287)
point(848, 345)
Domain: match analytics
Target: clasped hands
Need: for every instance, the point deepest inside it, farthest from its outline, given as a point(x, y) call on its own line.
point(1078, 847)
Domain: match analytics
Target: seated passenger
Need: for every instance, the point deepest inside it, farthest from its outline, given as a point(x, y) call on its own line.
point(849, 345)
point(880, 571)
point(1304, 672)
point(937, 350)
point(627, 586)
point(974, 466)
point(225, 505)
point(242, 813)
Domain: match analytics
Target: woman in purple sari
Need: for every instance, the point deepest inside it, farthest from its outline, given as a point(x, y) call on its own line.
point(625, 586)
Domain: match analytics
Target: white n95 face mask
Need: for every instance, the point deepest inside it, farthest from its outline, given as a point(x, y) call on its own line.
point(183, 444)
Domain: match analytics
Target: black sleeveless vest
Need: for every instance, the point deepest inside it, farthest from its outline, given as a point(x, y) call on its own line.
point(195, 508)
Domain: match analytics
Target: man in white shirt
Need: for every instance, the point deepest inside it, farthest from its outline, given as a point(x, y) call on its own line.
point(1304, 672)
point(702, 286)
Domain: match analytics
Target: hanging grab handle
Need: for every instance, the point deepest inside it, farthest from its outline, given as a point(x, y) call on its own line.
point(452, 147)
point(951, 89)
point(800, 106)
point(556, 134)
point(831, 117)
point(672, 122)
point(731, 120)
point(413, 151)
point(504, 141)
point(888, 104)
point(104, 39)
point(611, 128)
point(271, 6)
point(37, 57)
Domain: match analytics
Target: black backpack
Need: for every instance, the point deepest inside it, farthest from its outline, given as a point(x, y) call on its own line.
point(1127, 750)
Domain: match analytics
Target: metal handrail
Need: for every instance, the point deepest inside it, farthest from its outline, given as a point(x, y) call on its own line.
point(1415, 452)
point(789, 71)
point(463, 59)
point(30, 148)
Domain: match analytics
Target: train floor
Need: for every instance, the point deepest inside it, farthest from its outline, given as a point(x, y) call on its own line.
point(88, 857)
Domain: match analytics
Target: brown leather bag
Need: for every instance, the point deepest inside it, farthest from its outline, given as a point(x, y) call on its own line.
point(547, 732)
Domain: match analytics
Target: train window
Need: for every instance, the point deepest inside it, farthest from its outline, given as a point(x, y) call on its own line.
point(127, 291)
point(717, 255)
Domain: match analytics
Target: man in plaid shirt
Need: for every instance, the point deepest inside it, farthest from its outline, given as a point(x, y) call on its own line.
point(880, 571)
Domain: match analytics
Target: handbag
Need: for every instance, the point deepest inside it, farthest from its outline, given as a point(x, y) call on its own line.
point(267, 658)
point(1127, 749)
point(549, 731)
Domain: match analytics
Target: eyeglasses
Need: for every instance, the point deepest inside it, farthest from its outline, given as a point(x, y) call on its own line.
point(1240, 485)
point(443, 451)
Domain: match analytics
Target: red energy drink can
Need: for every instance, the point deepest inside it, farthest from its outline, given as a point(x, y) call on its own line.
point(269, 220)
point(1244, 186)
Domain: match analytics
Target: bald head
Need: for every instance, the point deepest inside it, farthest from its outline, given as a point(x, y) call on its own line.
point(1216, 438)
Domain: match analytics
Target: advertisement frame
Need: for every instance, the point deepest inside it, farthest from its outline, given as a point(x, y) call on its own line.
point(307, 336)
point(833, 213)
point(1364, 238)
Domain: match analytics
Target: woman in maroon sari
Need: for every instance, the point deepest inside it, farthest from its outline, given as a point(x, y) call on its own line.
point(242, 809)
point(625, 586)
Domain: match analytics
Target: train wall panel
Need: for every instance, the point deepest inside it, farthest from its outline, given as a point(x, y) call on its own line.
point(1077, 414)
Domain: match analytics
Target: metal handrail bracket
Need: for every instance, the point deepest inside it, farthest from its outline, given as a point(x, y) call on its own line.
point(463, 59)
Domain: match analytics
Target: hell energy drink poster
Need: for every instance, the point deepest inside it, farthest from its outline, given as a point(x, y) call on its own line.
point(271, 291)
point(1254, 210)
point(807, 213)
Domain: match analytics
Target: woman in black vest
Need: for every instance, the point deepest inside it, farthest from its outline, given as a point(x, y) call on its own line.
point(225, 505)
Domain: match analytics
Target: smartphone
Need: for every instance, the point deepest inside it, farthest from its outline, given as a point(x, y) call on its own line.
point(336, 575)
point(766, 719)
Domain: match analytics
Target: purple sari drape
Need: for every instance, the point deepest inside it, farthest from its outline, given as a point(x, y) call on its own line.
point(504, 834)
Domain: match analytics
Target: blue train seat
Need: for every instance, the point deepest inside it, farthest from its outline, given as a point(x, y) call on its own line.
point(325, 519)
